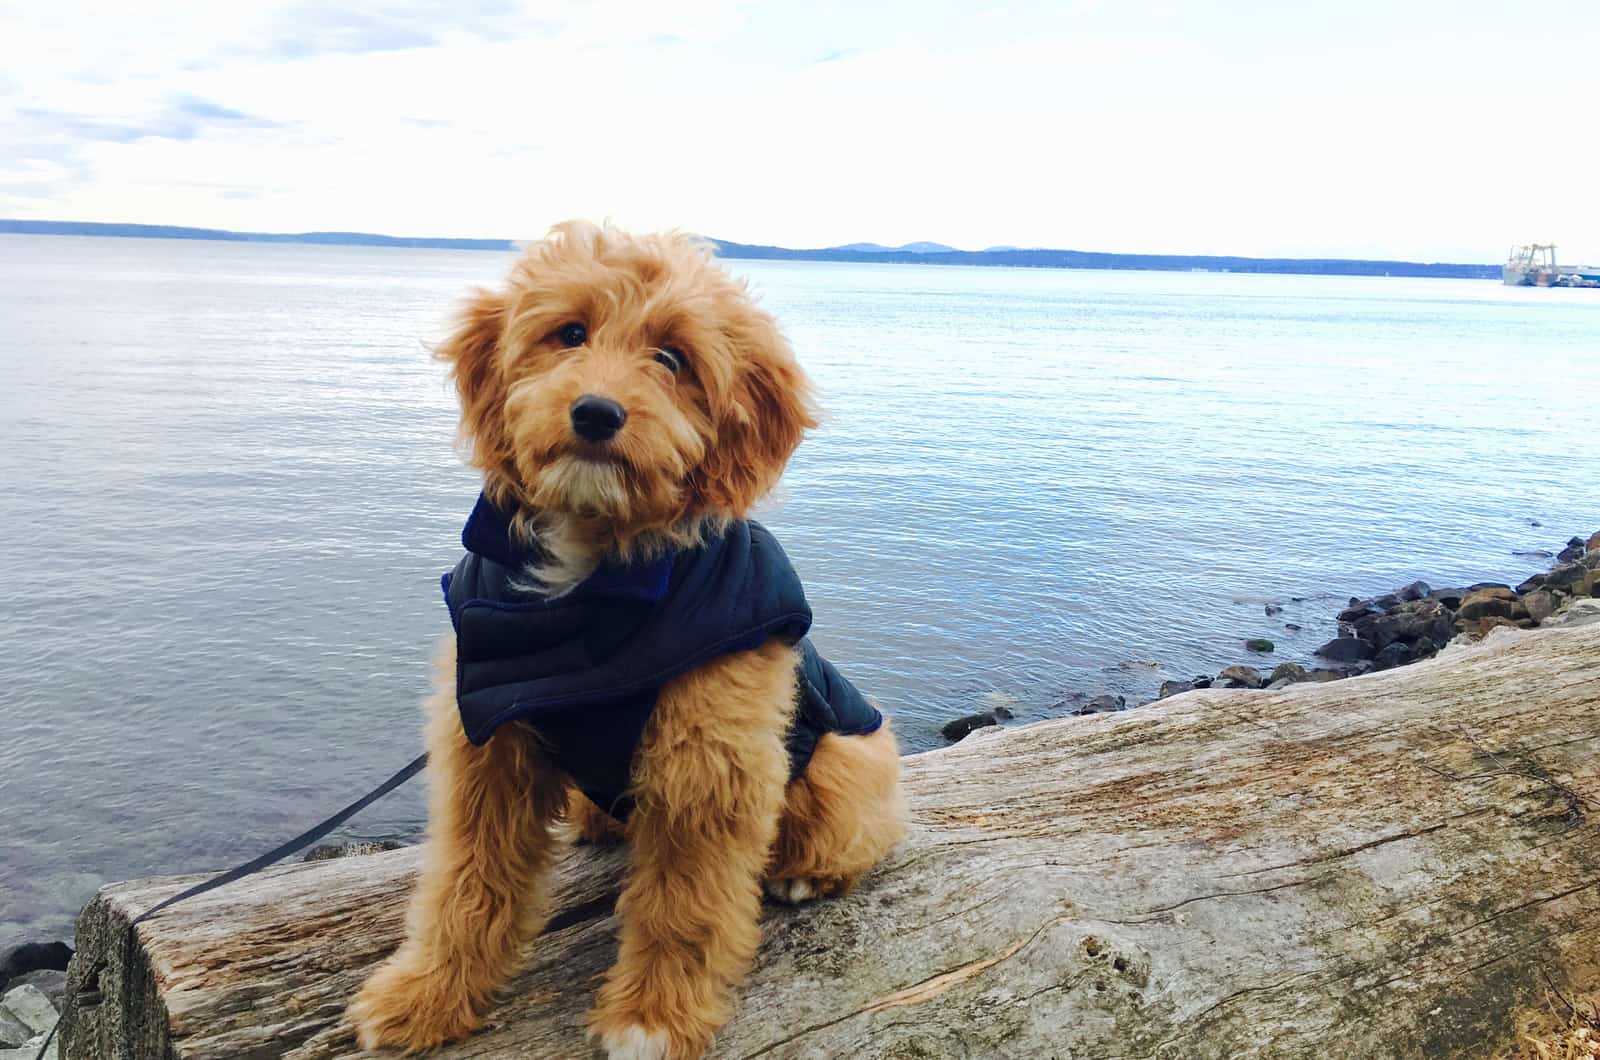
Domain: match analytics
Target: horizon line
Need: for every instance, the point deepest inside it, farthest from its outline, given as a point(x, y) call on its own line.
point(731, 249)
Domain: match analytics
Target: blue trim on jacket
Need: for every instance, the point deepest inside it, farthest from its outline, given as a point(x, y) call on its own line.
point(584, 669)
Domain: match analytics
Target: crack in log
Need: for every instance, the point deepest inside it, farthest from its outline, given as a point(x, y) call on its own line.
point(1570, 891)
point(917, 993)
point(1151, 914)
point(1194, 1021)
point(1347, 851)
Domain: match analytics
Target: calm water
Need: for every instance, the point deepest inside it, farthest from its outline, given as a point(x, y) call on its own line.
point(229, 489)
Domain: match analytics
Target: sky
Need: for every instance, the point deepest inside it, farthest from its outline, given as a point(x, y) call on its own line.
point(1413, 129)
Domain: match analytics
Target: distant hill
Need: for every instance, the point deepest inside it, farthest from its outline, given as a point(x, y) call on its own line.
point(909, 248)
point(1083, 259)
point(360, 239)
point(911, 253)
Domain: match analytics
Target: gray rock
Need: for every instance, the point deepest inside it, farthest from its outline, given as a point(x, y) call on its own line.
point(1415, 591)
point(1450, 598)
point(1491, 602)
point(1592, 560)
point(1577, 613)
point(32, 956)
point(13, 1032)
point(1426, 618)
point(1574, 550)
point(1535, 553)
point(30, 1051)
point(51, 983)
point(1395, 654)
point(28, 1003)
point(1273, 609)
point(1347, 650)
point(1240, 677)
point(1103, 705)
point(329, 851)
point(1259, 644)
point(1173, 688)
point(1291, 627)
point(1574, 578)
point(1322, 677)
point(1287, 673)
point(961, 727)
point(1540, 604)
point(1357, 611)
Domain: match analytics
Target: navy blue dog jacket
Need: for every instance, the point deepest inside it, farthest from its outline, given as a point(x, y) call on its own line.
point(584, 668)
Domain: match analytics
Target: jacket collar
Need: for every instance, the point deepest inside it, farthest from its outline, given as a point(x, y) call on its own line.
point(488, 534)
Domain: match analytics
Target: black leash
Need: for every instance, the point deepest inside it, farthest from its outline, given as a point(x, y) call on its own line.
point(298, 843)
point(271, 857)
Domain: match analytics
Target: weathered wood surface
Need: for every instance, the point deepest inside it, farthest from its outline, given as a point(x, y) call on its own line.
point(1386, 866)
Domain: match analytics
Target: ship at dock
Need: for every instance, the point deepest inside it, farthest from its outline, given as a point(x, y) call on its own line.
point(1534, 265)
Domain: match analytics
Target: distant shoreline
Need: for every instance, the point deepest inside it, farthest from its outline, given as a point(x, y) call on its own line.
point(1012, 257)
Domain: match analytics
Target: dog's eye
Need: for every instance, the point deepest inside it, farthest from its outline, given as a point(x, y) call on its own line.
point(671, 357)
point(573, 334)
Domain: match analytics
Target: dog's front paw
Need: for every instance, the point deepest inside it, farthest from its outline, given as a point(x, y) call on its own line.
point(405, 1005)
point(625, 1033)
point(636, 1043)
point(803, 889)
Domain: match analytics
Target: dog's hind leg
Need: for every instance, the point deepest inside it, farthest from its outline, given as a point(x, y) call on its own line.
point(708, 786)
point(479, 900)
point(840, 817)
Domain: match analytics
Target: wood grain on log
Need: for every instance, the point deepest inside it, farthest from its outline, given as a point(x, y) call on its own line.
point(1393, 865)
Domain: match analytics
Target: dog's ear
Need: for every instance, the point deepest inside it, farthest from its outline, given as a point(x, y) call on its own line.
point(763, 416)
point(473, 353)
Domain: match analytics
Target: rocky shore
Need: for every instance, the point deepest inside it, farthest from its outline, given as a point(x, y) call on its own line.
point(1412, 623)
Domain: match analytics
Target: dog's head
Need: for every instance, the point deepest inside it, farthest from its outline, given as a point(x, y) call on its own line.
point(626, 379)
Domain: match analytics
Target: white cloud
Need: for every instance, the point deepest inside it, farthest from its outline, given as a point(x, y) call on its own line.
point(1093, 126)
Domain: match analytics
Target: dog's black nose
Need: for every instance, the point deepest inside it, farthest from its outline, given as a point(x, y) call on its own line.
point(597, 419)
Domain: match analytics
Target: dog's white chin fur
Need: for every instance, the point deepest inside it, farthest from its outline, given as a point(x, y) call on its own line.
point(584, 487)
point(636, 1043)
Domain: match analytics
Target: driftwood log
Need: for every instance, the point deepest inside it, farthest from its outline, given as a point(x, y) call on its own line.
point(1398, 865)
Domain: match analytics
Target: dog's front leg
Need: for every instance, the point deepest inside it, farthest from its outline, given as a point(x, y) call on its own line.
point(480, 898)
point(708, 788)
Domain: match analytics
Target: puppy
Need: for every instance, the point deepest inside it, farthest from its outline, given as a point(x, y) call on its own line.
point(629, 652)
